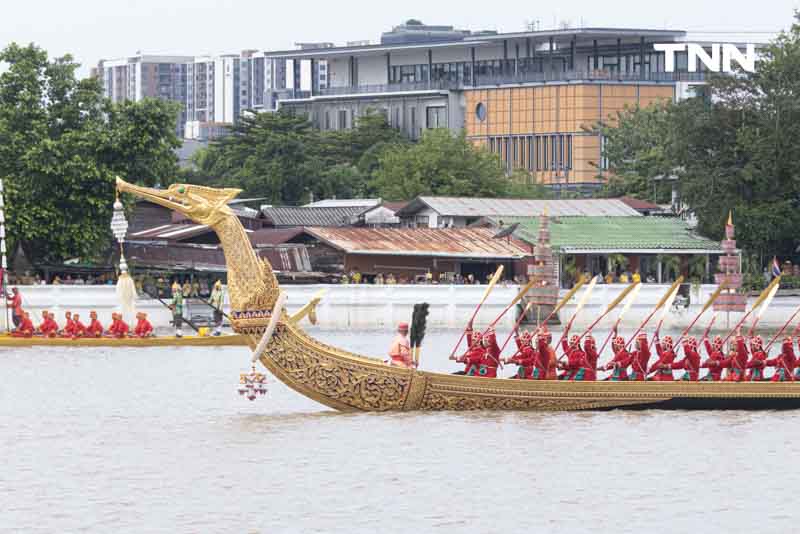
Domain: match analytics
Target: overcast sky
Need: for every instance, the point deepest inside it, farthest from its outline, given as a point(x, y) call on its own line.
point(95, 29)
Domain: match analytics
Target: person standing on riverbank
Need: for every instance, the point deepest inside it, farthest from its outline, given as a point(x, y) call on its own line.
point(400, 351)
point(216, 300)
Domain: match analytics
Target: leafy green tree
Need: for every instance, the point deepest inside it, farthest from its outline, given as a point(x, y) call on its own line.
point(736, 150)
point(439, 164)
point(61, 144)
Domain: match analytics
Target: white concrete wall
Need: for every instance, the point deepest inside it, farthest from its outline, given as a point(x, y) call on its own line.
point(370, 306)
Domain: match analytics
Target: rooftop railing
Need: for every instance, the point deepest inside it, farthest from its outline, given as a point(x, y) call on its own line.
point(482, 80)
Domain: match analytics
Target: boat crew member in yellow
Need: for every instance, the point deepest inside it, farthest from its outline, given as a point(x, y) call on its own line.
point(216, 300)
point(177, 308)
point(400, 351)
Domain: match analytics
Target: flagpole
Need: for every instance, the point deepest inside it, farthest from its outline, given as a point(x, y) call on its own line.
point(3, 258)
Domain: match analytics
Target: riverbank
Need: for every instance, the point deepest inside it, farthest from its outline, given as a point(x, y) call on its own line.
point(382, 306)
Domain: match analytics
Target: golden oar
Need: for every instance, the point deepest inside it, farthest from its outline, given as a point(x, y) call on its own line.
point(563, 302)
point(761, 298)
point(519, 297)
point(578, 308)
point(707, 305)
point(633, 295)
point(763, 309)
point(785, 325)
point(486, 293)
point(672, 289)
point(614, 303)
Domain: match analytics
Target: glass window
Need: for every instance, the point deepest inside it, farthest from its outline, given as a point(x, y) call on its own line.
point(436, 117)
point(544, 153)
point(413, 121)
point(342, 119)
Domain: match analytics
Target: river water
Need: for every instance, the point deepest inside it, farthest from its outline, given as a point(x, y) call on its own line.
point(158, 440)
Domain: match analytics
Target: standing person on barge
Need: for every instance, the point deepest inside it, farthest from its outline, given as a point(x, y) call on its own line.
point(176, 305)
point(217, 300)
point(400, 351)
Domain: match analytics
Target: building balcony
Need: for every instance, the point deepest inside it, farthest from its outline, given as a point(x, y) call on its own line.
point(501, 78)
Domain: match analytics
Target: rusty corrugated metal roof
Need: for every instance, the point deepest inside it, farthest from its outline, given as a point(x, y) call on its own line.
point(449, 242)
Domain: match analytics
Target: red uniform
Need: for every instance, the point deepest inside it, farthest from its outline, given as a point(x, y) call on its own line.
point(714, 361)
point(784, 363)
point(25, 328)
point(590, 349)
point(526, 357)
point(575, 368)
point(472, 358)
point(69, 328)
point(640, 358)
point(690, 362)
point(757, 362)
point(48, 328)
point(666, 357)
point(736, 361)
point(78, 328)
point(621, 361)
point(119, 328)
point(490, 359)
point(95, 329)
point(143, 328)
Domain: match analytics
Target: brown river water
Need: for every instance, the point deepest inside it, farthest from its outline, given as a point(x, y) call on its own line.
point(158, 440)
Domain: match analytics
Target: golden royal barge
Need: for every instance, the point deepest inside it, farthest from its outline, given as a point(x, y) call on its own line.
point(351, 382)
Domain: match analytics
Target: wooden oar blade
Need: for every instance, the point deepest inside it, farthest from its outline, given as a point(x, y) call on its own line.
point(634, 294)
point(586, 294)
point(712, 298)
point(624, 293)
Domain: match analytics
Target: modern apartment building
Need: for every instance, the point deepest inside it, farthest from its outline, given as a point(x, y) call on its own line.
point(143, 76)
point(532, 97)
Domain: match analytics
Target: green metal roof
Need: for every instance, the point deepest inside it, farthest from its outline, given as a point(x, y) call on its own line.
point(616, 234)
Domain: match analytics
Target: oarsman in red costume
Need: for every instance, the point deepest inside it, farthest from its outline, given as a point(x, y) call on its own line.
point(472, 358)
point(758, 360)
point(79, 329)
point(784, 363)
point(526, 357)
point(118, 328)
point(620, 362)
point(640, 358)
point(490, 359)
point(25, 328)
point(49, 327)
point(69, 326)
point(590, 349)
point(666, 357)
point(691, 360)
point(736, 361)
point(547, 356)
point(95, 329)
point(399, 352)
point(14, 303)
point(145, 329)
point(575, 366)
point(714, 361)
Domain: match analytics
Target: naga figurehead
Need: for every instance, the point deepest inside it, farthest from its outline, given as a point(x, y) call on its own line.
point(252, 285)
point(203, 205)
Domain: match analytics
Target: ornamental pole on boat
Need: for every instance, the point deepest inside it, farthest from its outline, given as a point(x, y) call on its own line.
point(4, 260)
point(126, 289)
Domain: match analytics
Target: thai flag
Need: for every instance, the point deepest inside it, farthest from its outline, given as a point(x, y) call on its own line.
point(776, 269)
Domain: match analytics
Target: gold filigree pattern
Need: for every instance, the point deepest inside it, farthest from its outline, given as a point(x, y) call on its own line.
point(359, 386)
